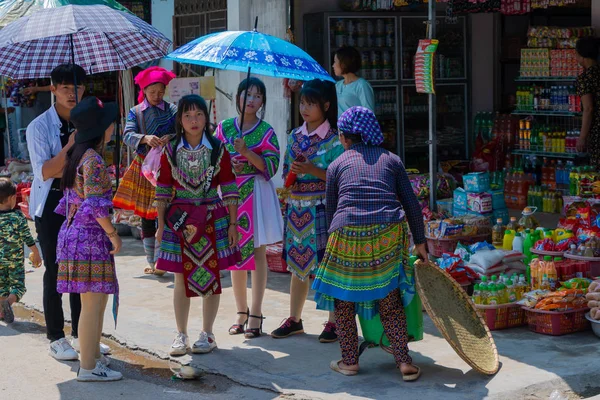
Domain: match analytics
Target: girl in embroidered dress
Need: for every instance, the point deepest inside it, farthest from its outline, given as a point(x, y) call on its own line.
point(311, 148)
point(87, 239)
point(197, 229)
point(255, 157)
point(150, 124)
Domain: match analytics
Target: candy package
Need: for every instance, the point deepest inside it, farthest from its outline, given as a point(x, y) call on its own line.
point(530, 299)
point(576, 283)
point(544, 244)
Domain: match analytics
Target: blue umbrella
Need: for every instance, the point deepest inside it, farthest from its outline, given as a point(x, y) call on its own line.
point(251, 51)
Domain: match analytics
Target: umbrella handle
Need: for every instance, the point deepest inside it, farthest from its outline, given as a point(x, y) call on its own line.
point(245, 100)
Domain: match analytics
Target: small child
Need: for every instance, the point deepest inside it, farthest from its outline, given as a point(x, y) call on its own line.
point(14, 232)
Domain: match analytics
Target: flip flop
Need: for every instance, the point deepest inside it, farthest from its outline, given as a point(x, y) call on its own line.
point(412, 377)
point(335, 365)
point(149, 271)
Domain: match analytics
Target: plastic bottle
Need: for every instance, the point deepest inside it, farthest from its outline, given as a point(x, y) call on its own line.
point(545, 285)
point(551, 272)
point(485, 295)
point(518, 243)
point(512, 225)
point(498, 234)
point(484, 282)
point(502, 293)
point(573, 181)
point(511, 292)
point(534, 268)
point(588, 252)
point(573, 250)
point(522, 287)
point(492, 295)
point(509, 236)
point(476, 294)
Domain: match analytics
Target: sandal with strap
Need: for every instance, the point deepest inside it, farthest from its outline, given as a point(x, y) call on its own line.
point(238, 329)
point(252, 333)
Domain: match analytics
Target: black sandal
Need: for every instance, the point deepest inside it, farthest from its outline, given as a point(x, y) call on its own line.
point(238, 329)
point(252, 333)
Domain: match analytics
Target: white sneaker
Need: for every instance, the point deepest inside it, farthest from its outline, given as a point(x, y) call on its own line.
point(61, 350)
point(104, 349)
point(205, 344)
point(180, 345)
point(98, 374)
point(103, 360)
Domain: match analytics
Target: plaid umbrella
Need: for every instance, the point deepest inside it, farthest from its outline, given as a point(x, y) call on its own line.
point(96, 37)
point(12, 10)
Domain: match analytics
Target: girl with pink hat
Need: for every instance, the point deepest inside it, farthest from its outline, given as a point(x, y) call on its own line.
point(150, 124)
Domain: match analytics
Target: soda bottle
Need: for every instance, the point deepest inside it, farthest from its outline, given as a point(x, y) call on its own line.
point(498, 234)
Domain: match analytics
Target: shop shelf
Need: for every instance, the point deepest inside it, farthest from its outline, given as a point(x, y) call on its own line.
point(546, 154)
point(546, 79)
point(547, 113)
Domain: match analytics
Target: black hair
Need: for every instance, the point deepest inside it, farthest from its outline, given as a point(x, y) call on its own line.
point(74, 156)
point(259, 85)
point(352, 137)
point(7, 189)
point(64, 75)
point(189, 103)
point(350, 60)
point(587, 47)
point(321, 92)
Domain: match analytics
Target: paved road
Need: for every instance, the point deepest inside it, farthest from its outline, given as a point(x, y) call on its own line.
point(532, 365)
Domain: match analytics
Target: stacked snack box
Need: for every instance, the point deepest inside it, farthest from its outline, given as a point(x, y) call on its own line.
point(564, 64)
point(535, 62)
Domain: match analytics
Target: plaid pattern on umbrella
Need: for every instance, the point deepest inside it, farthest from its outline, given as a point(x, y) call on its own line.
point(103, 39)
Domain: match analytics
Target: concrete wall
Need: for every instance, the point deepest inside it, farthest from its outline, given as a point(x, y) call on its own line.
point(162, 19)
point(272, 19)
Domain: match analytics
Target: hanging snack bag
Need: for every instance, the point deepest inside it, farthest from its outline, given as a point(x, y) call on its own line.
point(424, 64)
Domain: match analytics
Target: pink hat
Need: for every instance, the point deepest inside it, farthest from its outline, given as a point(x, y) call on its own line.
point(150, 76)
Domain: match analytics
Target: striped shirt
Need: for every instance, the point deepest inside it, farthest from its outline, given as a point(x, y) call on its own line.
point(158, 121)
point(368, 185)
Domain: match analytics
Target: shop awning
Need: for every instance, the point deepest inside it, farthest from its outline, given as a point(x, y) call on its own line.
point(12, 10)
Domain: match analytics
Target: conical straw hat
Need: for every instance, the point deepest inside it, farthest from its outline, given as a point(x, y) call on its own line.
point(454, 314)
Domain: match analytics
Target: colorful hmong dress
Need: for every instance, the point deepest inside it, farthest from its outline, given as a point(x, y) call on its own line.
point(370, 203)
point(135, 192)
point(363, 264)
point(182, 182)
point(259, 217)
point(83, 252)
point(305, 236)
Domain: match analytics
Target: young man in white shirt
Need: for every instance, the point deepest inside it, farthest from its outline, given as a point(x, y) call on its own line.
point(49, 138)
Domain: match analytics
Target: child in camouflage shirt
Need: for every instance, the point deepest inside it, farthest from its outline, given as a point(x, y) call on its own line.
point(14, 232)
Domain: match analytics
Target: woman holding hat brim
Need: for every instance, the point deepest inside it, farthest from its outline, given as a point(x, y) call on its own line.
point(150, 124)
point(87, 239)
point(369, 200)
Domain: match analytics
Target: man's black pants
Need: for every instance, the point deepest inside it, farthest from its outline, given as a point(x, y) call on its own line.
point(47, 228)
